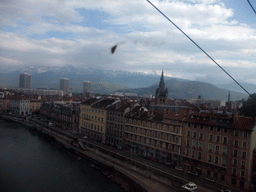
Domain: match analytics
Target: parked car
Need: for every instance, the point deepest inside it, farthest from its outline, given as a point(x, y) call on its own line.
point(190, 186)
point(178, 168)
point(193, 173)
point(226, 190)
point(210, 179)
point(154, 160)
point(161, 162)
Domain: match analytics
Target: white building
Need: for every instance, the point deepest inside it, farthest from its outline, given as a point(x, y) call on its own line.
point(19, 106)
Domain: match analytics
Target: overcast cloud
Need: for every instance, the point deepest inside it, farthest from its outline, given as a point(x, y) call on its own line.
point(81, 33)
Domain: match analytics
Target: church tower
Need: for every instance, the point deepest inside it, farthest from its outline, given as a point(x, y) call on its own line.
point(161, 92)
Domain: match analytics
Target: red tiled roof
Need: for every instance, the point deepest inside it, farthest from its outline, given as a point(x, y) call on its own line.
point(245, 123)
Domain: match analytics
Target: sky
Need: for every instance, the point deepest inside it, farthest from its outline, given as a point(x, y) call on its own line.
point(81, 33)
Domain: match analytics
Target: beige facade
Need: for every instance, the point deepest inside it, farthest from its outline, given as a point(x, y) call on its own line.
point(150, 137)
point(93, 118)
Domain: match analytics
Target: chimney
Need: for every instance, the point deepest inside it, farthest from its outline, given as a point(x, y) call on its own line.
point(234, 117)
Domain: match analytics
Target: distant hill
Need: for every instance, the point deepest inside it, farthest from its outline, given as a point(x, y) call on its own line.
point(251, 88)
point(189, 89)
point(106, 82)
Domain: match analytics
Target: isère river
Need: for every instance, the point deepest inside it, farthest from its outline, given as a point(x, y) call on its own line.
point(28, 163)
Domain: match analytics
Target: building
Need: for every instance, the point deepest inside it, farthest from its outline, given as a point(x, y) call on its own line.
point(87, 88)
point(93, 117)
point(19, 106)
point(147, 134)
point(25, 80)
point(64, 85)
point(115, 122)
point(34, 106)
point(161, 92)
point(218, 146)
point(62, 114)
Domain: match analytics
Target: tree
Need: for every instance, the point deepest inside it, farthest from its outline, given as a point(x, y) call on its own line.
point(249, 106)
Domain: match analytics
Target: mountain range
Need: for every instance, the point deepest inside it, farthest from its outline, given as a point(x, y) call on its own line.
point(106, 82)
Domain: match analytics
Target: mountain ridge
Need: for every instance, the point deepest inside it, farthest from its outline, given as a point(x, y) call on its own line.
point(107, 81)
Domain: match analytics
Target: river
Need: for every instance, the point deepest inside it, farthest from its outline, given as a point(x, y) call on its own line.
point(30, 163)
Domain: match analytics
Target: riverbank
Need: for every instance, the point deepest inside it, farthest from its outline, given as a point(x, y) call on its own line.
point(122, 172)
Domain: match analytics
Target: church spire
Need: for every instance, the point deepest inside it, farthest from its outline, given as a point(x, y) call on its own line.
point(161, 83)
point(161, 91)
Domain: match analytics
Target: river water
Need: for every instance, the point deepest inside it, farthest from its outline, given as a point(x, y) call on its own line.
point(30, 163)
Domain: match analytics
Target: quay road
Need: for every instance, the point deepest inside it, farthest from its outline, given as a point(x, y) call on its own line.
point(179, 177)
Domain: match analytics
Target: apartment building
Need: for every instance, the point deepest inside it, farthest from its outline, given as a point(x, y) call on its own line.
point(218, 146)
point(62, 114)
point(115, 122)
point(146, 134)
point(93, 117)
point(19, 106)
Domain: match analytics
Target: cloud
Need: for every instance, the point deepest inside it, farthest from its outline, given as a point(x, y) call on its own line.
point(56, 33)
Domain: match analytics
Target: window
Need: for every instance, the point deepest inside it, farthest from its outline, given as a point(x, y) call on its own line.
point(242, 173)
point(199, 155)
point(200, 145)
point(201, 135)
point(188, 134)
point(188, 141)
point(158, 135)
point(188, 124)
point(138, 130)
point(244, 154)
point(244, 144)
point(224, 150)
point(211, 128)
point(159, 126)
point(211, 137)
point(194, 135)
point(225, 130)
point(164, 145)
point(234, 171)
point(153, 125)
point(165, 127)
point(236, 133)
point(223, 161)
point(193, 143)
point(148, 124)
point(218, 129)
point(152, 133)
point(216, 159)
point(217, 148)
point(164, 136)
point(235, 161)
point(148, 132)
point(152, 142)
point(243, 163)
point(235, 153)
point(217, 138)
point(177, 140)
point(187, 152)
point(202, 127)
point(195, 125)
point(177, 130)
point(193, 154)
point(157, 143)
point(209, 158)
point(236, 143)
point(210, 147)
point(225, 140)
point(245, 134)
